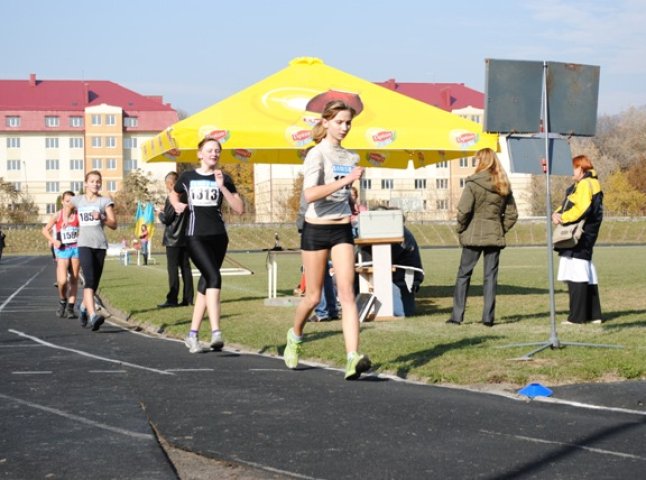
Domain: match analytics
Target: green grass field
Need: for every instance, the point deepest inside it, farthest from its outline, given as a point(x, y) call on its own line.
point(423, 347)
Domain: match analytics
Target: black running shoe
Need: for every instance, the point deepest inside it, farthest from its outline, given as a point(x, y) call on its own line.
point(60, 311)
point(83, 317)
point(96, 321)
point(70, 311)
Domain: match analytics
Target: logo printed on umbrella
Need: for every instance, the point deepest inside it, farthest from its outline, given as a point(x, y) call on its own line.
point(380, 137)
point(242, 154)
point(464, 138)
point(375, 159)
point(211, 131)
point(298, 136)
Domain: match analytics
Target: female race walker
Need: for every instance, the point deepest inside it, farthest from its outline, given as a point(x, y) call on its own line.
point(62, 232)
point(329, 171)
point(205, 189)
point(94, 213)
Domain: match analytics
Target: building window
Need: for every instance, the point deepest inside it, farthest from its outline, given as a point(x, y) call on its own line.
point(76, 164)
point(111, 163)
point(463, 182)
point(52, 187)
point(366, 183)
point(386, 183)
point(76, 142)
point(111, 142)
point(51, 142)
point(96, 142)
point(112, 185)
point(129, 165)
point(76, 121)
point(17, 186)
point(444, 164)
point(76, 187)
point(51, 164)
point(12, 121)
point(474, 161)
point(96, 164)
point(442, 204)
point(52, 121)
point(13, 164)
point(442, 183)
point(420, 183)
point(130, 122)
point(464, 162)
point(130, 142)
point(51, 208)
point(96, 119)
point(110, 119)
point(13, 142)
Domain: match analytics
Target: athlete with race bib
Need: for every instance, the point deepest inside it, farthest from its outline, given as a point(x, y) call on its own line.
point(329, 171)
point(94, 212)
point(62, 233)
point(205, 189)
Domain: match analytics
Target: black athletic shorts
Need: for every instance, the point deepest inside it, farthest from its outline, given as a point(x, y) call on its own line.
point(324, 237)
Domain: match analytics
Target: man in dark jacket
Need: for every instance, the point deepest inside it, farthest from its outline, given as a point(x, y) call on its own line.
point(176, 251)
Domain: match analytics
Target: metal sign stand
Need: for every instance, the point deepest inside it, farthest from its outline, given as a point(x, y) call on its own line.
point(553, 341)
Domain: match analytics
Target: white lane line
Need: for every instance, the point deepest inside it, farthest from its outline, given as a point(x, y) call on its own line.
point(107, 371)
point(190, 369)
point(20, 289)
point(34, 372)
point(90, 355)
point(565, 444)
point(87, 421)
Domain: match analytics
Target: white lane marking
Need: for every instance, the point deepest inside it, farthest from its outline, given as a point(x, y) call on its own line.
point(34, 372)
point(566, 444)
point(190, 369)
point(90, 355)
point(87, 421)
point(20, 289)
point(107, 371)
point(260, 466)
point(572, 403)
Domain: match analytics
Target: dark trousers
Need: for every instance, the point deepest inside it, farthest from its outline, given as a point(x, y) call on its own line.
point(177, 259)
point(468, 261)
point(585, 305)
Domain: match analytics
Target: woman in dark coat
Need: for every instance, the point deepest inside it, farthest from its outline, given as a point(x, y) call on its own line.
point(486, 212)
point(583, 200)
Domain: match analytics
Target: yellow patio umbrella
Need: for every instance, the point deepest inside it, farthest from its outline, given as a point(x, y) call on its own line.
point(271, 122)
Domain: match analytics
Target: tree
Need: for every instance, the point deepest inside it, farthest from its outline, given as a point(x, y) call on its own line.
point(15, 206)
point(621, 197)
point(137, 187)
point(242, 176)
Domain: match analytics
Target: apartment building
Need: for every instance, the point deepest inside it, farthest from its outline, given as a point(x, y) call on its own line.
point(54, 131)
point(428, 193)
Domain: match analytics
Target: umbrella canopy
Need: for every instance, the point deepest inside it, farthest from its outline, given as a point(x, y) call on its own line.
point(272, 120)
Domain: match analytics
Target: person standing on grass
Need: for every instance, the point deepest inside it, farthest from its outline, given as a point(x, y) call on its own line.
point(62, 233)
point(486, 212)
point(205, 189)
point(583, 200)
point(94, 212)
point(143, 243)
point(329, 171)
point(176, 250)
point(2, 242)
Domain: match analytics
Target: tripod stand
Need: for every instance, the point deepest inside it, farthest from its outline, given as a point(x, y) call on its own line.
point(553, 342)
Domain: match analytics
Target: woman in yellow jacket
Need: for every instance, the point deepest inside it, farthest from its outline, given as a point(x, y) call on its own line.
point(583, 200)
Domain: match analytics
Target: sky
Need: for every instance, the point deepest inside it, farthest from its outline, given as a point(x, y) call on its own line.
point(197, 52)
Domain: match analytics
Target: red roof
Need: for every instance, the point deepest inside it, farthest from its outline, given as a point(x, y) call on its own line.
point(73, 95)
point(447, 96)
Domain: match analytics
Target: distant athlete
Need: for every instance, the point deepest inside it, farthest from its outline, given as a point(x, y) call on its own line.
point(94, 213)
point(62, 233)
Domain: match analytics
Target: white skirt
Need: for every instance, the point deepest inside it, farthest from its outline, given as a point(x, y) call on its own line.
point(577, 270)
